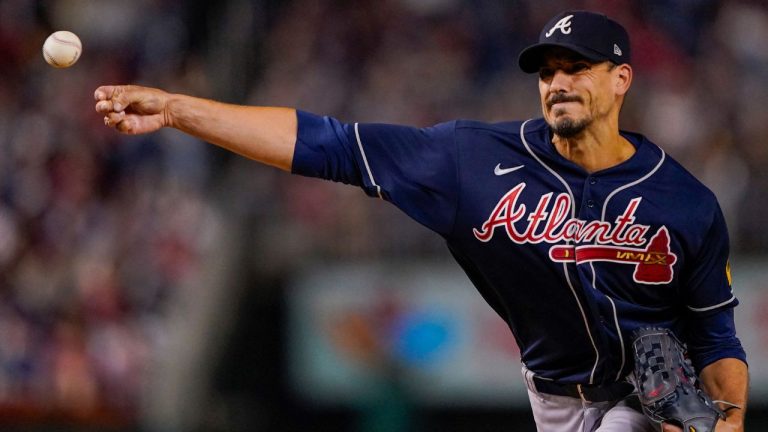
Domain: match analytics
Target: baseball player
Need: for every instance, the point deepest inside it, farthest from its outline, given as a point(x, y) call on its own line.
point(574, 232)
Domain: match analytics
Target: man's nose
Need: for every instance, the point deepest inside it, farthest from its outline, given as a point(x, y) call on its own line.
point(561, 81)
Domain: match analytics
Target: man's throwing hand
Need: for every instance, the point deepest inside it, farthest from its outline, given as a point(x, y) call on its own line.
point(132, 109)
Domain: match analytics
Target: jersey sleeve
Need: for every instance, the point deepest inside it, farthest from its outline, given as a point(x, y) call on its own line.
point(712, 337)
point(707, 287)
point(711, 331)
point(414, 168)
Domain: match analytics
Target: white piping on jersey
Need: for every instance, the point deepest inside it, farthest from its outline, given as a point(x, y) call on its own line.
point(704, 309)
point(621, 339)
point(565, 265)
point(553, 172)
point(586, 324)
point(602, 219)
point(628, 185)
point(365, 161)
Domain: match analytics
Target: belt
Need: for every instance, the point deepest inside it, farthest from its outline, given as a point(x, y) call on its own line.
point(589, 393)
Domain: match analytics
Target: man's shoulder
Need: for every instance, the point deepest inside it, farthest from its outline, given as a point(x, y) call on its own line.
point(684, 177)
point(510, 127)
point(675, 173)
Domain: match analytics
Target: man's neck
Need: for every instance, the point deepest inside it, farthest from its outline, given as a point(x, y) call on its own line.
point(595, 149)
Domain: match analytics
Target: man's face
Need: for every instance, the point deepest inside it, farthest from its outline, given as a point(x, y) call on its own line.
point(575, 92)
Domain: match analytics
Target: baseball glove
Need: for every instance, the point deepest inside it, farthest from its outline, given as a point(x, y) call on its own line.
point(667, 385)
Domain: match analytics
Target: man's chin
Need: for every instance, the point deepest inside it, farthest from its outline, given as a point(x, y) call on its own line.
point(568, 127)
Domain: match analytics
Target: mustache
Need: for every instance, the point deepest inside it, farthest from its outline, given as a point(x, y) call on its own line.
point(562, 97)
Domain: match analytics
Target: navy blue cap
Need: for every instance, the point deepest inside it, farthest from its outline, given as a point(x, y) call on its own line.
point(592, 35)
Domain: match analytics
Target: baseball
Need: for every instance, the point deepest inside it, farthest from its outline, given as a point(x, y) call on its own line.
point(62, 49)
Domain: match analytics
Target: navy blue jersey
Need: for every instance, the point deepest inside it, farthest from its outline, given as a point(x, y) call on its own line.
point(572, 261)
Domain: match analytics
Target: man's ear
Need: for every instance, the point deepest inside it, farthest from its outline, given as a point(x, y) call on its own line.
point(623, 78)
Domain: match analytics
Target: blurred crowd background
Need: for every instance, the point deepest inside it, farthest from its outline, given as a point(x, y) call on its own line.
point(144, 280)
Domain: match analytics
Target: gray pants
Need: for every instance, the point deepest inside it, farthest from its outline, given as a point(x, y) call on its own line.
point(566, 414)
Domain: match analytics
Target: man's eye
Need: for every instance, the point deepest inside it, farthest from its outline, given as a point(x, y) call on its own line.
point(579, 67)
point(546, 73)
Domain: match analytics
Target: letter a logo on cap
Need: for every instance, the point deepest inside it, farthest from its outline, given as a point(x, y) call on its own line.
point(564, 25)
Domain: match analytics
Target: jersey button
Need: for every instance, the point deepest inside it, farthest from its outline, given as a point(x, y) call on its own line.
point(590, 203)
point(592, 180)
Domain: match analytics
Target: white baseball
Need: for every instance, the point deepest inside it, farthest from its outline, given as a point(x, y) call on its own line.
point(62, 49)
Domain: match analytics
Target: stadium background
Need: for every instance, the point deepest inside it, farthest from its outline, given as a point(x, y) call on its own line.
point(157, 283)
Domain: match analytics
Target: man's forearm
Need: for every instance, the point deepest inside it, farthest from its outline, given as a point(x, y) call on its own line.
point(264, 134)
point(727, 380)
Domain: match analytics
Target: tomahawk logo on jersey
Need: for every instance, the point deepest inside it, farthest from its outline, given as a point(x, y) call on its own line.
point(571, 260)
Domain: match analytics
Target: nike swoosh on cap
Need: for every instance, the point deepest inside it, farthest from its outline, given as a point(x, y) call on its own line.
point(499, 171)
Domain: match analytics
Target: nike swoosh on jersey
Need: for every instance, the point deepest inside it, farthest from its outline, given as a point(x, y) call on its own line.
point(499, 171)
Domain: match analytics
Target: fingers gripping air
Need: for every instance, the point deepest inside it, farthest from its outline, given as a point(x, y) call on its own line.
point(667, 385)
point(131, 109)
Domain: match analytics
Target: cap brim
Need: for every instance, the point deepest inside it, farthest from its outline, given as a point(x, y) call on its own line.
point(531, 58)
